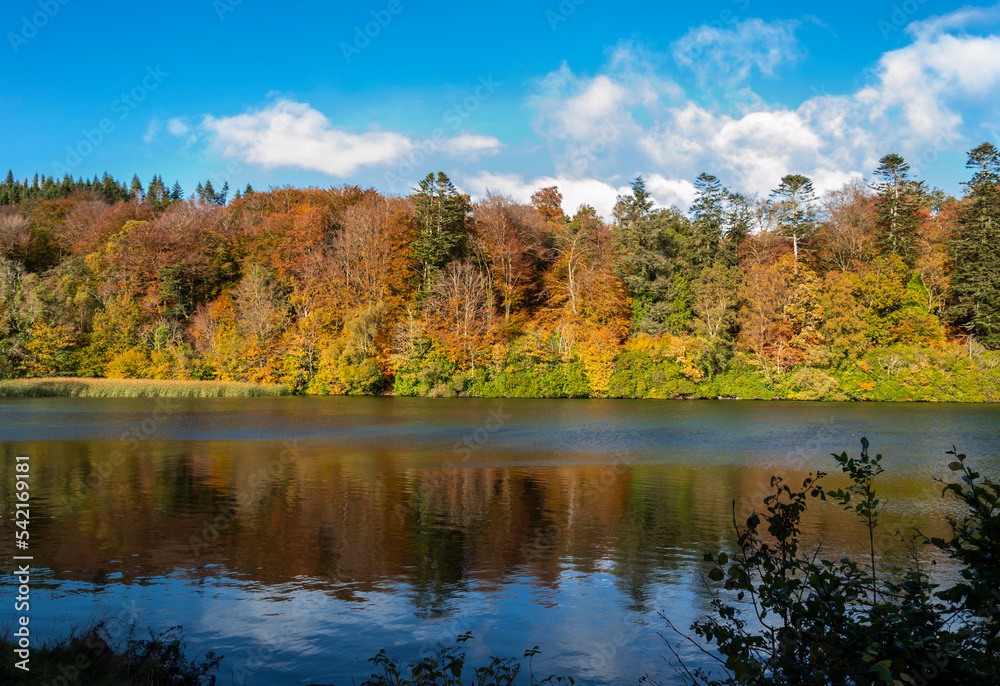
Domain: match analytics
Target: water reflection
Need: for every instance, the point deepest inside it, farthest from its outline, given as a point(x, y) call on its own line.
point(324, 529)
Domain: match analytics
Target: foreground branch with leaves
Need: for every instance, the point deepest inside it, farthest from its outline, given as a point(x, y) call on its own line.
point(785, 616)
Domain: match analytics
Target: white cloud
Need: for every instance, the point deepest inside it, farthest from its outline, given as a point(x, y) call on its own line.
point(667, 192)
point(918, 100)
point(727, 56)
point(922, 84)
point(471, 145)
point(584, 119)
point(294, 134)
point(576, 192)
point(177, 127)
point(915, 103)
point(963, 19)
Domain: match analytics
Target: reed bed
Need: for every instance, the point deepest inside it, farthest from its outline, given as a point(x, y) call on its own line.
point(135, 388)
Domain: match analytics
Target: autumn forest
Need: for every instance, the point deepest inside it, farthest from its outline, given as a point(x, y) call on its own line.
point(881, 290)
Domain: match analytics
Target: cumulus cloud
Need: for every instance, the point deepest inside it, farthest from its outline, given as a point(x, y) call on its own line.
point(294, 134)
point(671, 192)
point(584, 120)
point(629, 116)
point(967, 18)
point(922, 83)
point(913, 104)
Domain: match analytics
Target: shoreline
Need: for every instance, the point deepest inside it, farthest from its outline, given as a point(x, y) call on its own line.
point(94, 387)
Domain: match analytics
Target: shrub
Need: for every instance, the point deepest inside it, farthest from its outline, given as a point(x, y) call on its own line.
point(783, 616)
point(98, 658)
point(807, 383)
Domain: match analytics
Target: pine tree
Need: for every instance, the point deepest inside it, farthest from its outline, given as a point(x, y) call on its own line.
point(898, 208)
point(136, 190)
point(442, 216)
point(709, 212)
point(631, 208)
point(796, 218)
point(248, 190)
point(7, 190)
point(975, 284)
point(110, 188)
point(177, 193)
point(739, 221)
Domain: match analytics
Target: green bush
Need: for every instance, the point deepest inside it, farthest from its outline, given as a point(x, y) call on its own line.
point(541, 380)
point(783, 615)
point(741, 381)
point(806, 383)
point(421, 374)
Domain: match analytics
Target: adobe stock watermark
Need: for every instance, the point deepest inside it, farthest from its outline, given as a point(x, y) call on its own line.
point(563, 11)
point(807, 454)
point(122, 106)
point(31, 25)
point(454, 116)
point(224, 7)
point(364, 34)
point(901, 15)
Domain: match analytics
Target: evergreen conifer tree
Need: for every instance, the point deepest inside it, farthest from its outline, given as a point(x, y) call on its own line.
point(975, 284)
point(442, 216)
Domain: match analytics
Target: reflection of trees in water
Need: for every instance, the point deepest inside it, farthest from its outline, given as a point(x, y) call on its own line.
point(352, 522)
point(671, 518)
point(439, 559)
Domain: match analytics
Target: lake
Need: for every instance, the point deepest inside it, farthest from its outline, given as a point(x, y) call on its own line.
point(298, 536)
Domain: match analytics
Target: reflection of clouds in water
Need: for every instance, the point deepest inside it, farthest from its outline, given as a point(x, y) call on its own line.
point(584, 625)
point(280, 636)
point(591, 630)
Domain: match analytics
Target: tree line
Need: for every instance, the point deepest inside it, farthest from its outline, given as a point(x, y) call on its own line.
point(883, 289)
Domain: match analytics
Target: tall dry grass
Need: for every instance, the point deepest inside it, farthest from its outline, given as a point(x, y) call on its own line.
point(135, 388)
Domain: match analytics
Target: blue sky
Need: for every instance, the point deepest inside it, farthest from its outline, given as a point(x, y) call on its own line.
point(585, 94)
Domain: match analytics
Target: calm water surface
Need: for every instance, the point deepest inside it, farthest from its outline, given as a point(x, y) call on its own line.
point(298, 536)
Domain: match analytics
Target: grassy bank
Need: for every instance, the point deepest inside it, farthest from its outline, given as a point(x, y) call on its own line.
point(649, 369)
point(134, 388)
